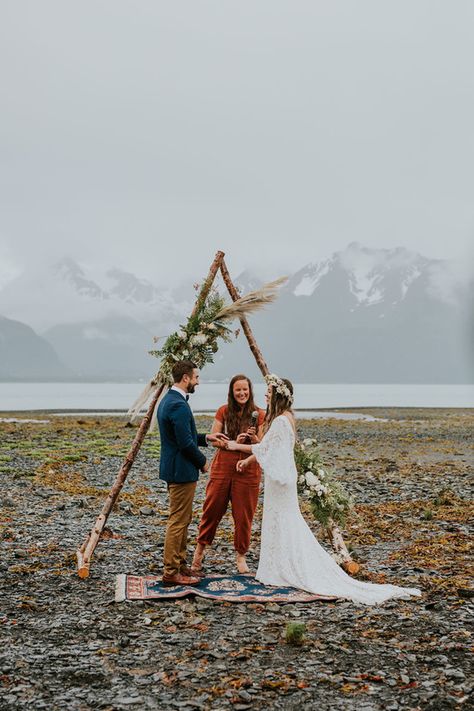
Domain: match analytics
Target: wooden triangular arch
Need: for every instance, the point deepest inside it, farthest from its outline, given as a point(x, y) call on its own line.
point(85, 552)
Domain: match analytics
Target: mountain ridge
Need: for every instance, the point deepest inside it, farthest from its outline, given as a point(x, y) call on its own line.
point(361, 315)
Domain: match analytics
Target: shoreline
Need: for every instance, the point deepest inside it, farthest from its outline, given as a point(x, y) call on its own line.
point(208, 411)
point(342, 414)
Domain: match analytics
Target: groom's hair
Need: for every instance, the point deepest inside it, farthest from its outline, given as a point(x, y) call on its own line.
point(182, 367)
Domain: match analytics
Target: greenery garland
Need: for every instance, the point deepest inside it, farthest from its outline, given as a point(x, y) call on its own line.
point(197, 340)
point(327, 497)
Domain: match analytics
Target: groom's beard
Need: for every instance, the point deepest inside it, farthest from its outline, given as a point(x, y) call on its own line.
point(190, 389)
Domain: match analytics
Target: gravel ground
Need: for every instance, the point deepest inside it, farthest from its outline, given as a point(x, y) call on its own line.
point(67, 645)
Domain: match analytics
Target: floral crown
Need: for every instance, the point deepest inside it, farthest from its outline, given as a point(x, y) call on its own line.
point(279, 385)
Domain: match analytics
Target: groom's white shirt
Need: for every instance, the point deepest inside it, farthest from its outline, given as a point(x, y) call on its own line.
point(178, 390)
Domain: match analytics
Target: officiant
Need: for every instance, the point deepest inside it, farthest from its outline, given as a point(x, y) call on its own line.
point(240, 419)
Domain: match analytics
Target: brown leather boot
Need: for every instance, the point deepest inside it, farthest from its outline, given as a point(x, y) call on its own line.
point(178, 579)
point(193, 572)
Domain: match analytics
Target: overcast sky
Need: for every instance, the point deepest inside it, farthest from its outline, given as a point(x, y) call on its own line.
point(148, 134)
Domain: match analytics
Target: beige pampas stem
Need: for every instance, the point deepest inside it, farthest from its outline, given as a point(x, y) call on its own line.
point(143, 398)
point(251, 302)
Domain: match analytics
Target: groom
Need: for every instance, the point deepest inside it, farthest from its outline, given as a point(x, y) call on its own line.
point(180, 464)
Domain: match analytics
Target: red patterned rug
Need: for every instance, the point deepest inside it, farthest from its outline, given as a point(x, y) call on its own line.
point(228, 588)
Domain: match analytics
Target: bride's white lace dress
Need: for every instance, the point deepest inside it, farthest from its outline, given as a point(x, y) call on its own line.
point(290, 555)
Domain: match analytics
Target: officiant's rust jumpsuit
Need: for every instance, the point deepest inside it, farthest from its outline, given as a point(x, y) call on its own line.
point(226, 485)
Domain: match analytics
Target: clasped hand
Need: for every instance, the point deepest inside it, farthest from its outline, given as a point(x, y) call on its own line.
point(218, 439)
point(249, 437)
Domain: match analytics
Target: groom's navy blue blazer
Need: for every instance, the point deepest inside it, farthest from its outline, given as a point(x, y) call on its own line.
point(180, 458)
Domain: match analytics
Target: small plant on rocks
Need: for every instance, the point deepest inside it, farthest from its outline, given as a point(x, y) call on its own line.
point(295, 633)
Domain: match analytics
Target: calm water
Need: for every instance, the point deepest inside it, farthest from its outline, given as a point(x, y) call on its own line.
point(209, 396)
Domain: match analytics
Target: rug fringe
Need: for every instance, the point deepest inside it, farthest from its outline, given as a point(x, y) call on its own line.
point(120, 584)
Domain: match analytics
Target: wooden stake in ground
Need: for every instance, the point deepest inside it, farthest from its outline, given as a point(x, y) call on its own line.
point(85, 552)
point(337, 542)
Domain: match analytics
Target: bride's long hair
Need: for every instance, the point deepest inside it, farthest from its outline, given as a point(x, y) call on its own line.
point(279, 403)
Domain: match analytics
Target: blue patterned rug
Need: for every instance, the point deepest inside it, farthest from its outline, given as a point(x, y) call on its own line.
point(226, 588)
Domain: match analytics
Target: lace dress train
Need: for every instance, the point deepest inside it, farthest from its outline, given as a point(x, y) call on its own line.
point(290, 555)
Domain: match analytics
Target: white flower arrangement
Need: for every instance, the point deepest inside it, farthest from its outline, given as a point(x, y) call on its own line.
point(328, 498)
point(279, 385)
point(197, 340)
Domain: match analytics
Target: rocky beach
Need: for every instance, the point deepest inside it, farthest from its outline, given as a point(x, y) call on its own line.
point(66, 644)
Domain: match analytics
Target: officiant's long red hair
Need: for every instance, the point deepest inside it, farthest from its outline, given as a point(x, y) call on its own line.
point(278, 404)
point(238, 419)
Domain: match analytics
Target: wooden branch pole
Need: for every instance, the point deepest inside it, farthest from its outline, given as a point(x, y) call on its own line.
point(244, 323)
point(206, 287)
point(334, 533)
point(84, 554)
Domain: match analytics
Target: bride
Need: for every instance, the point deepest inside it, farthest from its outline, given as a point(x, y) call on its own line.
point(290, 555)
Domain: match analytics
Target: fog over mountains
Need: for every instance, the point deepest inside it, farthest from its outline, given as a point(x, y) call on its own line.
point(362, 315)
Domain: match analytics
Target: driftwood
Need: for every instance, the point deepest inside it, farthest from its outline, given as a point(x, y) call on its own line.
point(85, 552)
point(337, 542)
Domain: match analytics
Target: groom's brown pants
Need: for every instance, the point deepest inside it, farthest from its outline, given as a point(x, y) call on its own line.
point(180, 514)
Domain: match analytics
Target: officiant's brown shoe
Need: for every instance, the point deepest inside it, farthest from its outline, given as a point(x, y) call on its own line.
point(178, 579)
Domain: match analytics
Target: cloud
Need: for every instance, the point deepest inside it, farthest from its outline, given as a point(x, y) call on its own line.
point(158, 133)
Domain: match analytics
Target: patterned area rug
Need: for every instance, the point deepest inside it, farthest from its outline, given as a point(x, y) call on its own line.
point(228, 588)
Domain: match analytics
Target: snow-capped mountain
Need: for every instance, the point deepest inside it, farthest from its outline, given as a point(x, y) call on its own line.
point(380, 275)
point(366, 315)
point(246, 281)
point(129, 288)
point(362, 315)
point(70, 273)
point(67, 292)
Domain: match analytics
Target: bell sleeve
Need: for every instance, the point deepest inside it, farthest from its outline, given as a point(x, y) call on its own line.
point(275, 453)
